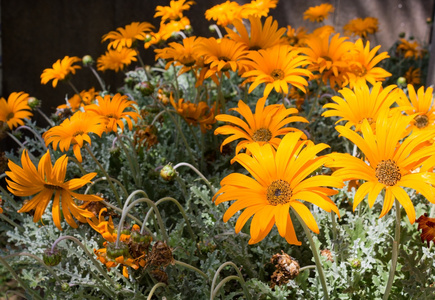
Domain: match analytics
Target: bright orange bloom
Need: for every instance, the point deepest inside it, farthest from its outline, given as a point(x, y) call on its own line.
point(361, 27)
point(60, 70)
point(410, 49)
point(296, 36)
point(257, 8)
point(281, 180)
point(116, 60)
point(75, 131)
point(318, 13)
point(224, 13)
point(43, 183)
point(15, 109)
point(113, 109)
point(74, 103)
point(125, 37)
point(277, 67)
point(174, 11)
point(261, 36)
point(264, 127)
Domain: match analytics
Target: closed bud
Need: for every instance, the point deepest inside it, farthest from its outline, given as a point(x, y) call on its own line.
point(65, 287)
point(401, 81)
point(355, 263)
point(33, 102)
point(87, 60)
point(51, 258)
point(168, 172)
point(145, 88)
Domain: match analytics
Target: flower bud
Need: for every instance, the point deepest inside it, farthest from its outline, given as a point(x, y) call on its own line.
point(65, 287)
point(355, 263)
point(51, 258)
point(401, 81)
point(168, 172)
point(137, 237)
point(113, 251)
point(33, 102)
point(212, 28)
point(87, 60)
point(402, 35)
point(145, 88)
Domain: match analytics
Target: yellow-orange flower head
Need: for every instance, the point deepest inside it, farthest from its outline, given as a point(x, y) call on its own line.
point(125, 37)
point(318, 13)
point(15, 109)
point(60, 70)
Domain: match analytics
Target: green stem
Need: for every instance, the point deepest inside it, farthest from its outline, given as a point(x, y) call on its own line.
point(105, 174)
point(100, 81)
point(177, 86)
point(140, 58)
point(133, 165)
point(41, 262)
point(75, 89)
point(34, 133)
point(155, 287)
point(20, 281)
point(183, 264)
point(21, 145)
point(395, 253)
point(112, 179)
point(96, 264)
point(214, 290)
point(316, 257)
point(10, 199)
point(199, 174)
point(221, 98)
point(21, 228)
point(45, 117)
point(189, 228)
point(307, 267)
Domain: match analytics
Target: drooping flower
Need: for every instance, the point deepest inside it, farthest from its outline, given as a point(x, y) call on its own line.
point(116, 60)
point(361, 27)
point(318, 13)
point(60, 70)
point(261, 36)
point(257, 8)
point(277, 67)
point(421, 106)
point(222, 55)
point(15, 109)
point(280, 181)
point(224, 13)
point(125, 37)
point(103, 227)
point(362, 65)
point(45, 181)
point(391, 164)
point(361, 103)
point(327, 57)
point(166, 31)
point(174, 11)
point(195, 114)
point(264, 127)
point(113, 109)
point(75, 131)
point(413, 76)
point(410, 49)
point(296, 36)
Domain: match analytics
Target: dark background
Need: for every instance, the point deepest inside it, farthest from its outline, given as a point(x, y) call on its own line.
point(37, 33)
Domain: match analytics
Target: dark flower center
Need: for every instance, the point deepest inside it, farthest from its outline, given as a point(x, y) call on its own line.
point(262, 135)
point(78, 133)
point(224, 58)
point(279, 192)
point(52, 187)
point(421, 121)
point(9, 116)
point(387, 172)
point(277, 74)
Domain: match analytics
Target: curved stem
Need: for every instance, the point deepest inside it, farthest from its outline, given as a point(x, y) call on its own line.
point(96, 264)
point(183, 264)
point(159, 218)
point(105, 174)
point(222, 283)
point(75, 89)
point(155, 287)
point(157, 116)
point(216, 275)
point(45, 117)
point(111, 179)
point(139, 58)
point(218, 31)
point(21, 145)
point(41, 262)
point(20, 281)
point(306, 268)
point(197, 172)
point(189, 228)
point(395, 253)
point(316, 256)
point(34, 133)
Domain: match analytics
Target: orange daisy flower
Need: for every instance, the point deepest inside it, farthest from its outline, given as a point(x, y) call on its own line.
point(361, 27)
point(264, 127)
point(60, 70)
point(75, 131)
point(296, 36)
point(318, 13)
point(413, 76)
point(113, 109)
point(224, 13)
point(262, 36)
point(257, 8)
point(410, 49)
point(43, 183)
point(74, 103)
point(125, 37)
point(277, 67)
point(116, 60)
point(174, 11)
point(15, 109)
point(281, 181)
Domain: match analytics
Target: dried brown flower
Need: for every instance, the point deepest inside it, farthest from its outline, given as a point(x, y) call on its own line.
point(286, 269)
